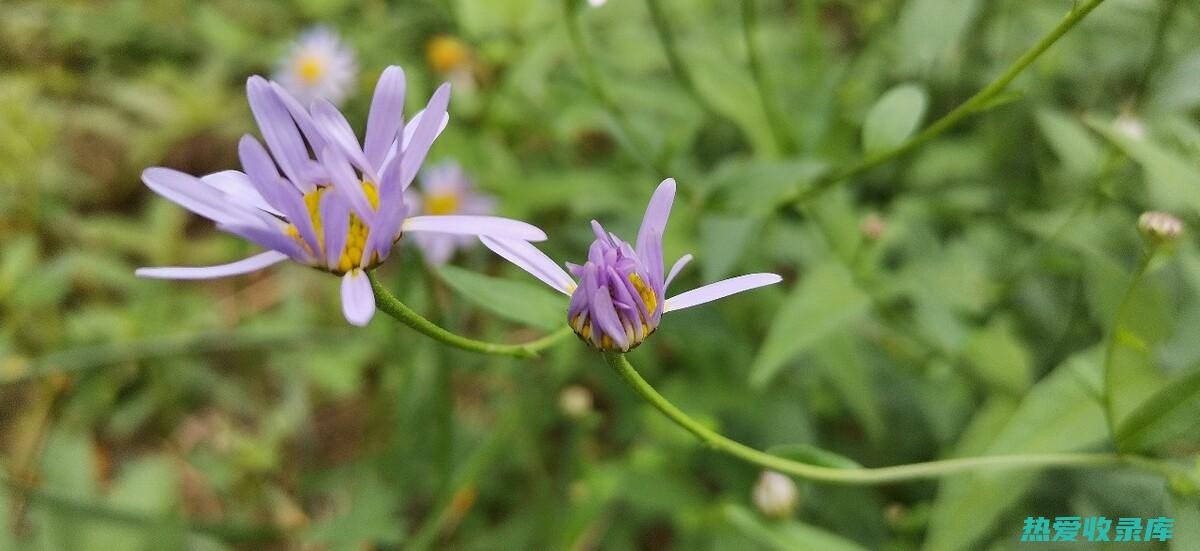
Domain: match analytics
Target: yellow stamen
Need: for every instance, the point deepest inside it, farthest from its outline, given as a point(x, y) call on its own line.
point(356, 234)
point(647, 294)
point(442, 204)
point(310, 68)
point(446, 53)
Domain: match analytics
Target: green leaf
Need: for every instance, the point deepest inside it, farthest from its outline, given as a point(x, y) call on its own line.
point(1170, 413)
point(1059, 414)
point(1186, 512)
point(893, 118)
point(843, 365)
point(722, 240)
point(929, 30)
point(786, 534)
point(813, 455)
point(1171, 179)
point(527, 303)
point(823, 302)
point(1071, 142)
point(1000, 358)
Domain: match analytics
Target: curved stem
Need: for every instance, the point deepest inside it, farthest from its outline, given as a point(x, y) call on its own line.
point(973, 104)
point(776, 119)
point(591, 75)
point(881, 475)
point(1110, 347)
point(391, 306)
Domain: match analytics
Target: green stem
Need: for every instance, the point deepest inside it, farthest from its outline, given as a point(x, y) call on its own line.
point(393, 307)
point(229, 533)
point(973, 105)
point(776, 119)
point(1110, 347)
point(667, 37)
point(595, 84)
point(881, 475)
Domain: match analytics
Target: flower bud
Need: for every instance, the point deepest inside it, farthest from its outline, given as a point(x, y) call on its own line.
point(1159, 227)
point(872, 227)
point(775, 495)
point(575, 401)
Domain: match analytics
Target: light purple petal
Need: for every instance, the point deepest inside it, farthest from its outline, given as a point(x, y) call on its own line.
point(245, 265)
point(423, 136)
point(358, 301)
point(263, 176)
point(411, 127)
point(238, 187)
point(303, 118)
point(676, 268)
point(279, 130)
point(386, 116)
point(347, 184)
point(335, 219)
point(337, 131)
point(436, 248)
point(604, 315)
point(491, 226)
point(269, 238)
point(720, 289)
point(190, 193)
point(654, 225)
point(532, 260)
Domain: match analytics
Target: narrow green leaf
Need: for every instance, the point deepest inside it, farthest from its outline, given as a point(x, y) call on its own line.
point(722, 240)
point(893, 118)
point(785, 535)
point(1170, 413)
point(1170, 178)
point(1186, 512)
point(813, 455)
point(1059, 414)
point(822, 303)
point(1000, 358)
point(1078, 151)
point(527, 303)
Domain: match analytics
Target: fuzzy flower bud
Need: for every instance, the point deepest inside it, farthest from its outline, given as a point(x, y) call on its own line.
point(575, 401)
point(1159, 227)
point(775, 495)
point(873, 227)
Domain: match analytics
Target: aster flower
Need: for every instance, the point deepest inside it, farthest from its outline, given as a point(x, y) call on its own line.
point(340, 213)
point(319, 65)
point(446, 189)
point(618, 300)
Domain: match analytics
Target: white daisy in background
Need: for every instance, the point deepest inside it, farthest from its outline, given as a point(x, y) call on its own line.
point(319, 65)
point(445, 190)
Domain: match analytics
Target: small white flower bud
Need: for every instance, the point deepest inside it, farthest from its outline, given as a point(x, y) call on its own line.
point(775, 494)
point(575, 401)
point(1131, 126)
point(1159, 227)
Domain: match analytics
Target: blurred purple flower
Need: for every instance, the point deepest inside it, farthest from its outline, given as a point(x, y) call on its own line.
point(618, 300)
point(319, 65)
point(446, 189)
point(342, 212)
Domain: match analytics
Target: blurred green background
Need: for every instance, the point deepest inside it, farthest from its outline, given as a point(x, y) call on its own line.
point(954, 302)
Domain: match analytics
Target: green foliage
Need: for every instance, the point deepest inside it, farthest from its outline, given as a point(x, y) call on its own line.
point(954, 301)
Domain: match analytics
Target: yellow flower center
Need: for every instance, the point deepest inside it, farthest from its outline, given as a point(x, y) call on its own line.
point(645, 292)
point(442, 204)
point(356, 236)
point(445, 53)
point(310, 68)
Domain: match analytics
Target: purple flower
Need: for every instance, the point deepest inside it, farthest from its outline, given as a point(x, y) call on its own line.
point(319, 65)
point(341, 212)
point(618, 300)
point(446, 189)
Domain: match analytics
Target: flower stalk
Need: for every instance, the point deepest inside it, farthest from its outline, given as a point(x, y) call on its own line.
point(392, 306)
point(974, 104)
point(880, 475)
